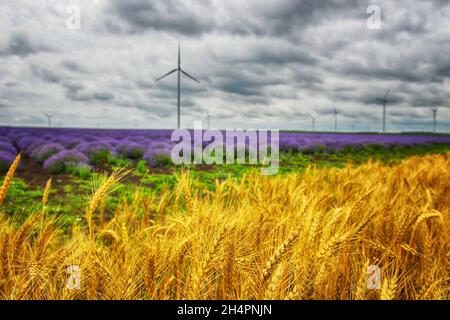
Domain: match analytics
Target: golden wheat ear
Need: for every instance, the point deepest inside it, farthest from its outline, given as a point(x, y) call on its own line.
point(101, 193)
point(9, 177)
point(48, 186)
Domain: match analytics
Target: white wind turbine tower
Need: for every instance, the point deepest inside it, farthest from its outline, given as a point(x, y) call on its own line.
point(208, 120)
point(180, 71)
point(49, 118)
point(313, 124)
point(384, 101)
point(335, 114)
point(434, 110)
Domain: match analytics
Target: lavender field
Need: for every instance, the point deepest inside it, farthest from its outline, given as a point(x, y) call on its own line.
point(56, 149)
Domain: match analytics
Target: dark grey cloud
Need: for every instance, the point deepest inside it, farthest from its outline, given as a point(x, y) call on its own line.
point(73, 66)
point(87, 95)
point(286, 17)
point(77, 91)
point(269, 54)
point(243, 82)
point(394, 73)
point(73, 86)
point(372, 98)
point(271, 18)
point(45, 74)
point(145, 84)
point(168, 15)
point(163, 111)
point(103, 96)
point(429, 101)
point(19, 44)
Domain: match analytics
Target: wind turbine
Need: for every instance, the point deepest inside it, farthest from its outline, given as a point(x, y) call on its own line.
point(49, 118)
point(434, 110)
point(180, 71)
point(335, 113)
point(313, 122)
point(384, 101)
point(207, 118)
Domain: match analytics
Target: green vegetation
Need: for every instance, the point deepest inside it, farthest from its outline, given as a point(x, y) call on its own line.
point(100, 157)
point(83, 172)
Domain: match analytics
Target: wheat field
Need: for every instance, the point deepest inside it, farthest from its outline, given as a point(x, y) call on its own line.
point(309, 235)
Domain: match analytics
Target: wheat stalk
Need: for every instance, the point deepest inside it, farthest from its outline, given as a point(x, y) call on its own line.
point(388, 289)
point(99, 196)
point(47, 188)
point(277, 256)
point(8, 178)
point(230, 244)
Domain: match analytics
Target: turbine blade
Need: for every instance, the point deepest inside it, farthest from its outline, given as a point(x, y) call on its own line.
point(188, 75)
point(168, 73)
point(387, 94)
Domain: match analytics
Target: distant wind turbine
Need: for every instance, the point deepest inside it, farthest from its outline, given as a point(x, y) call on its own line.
point(384, 101)
point(313, 127)
point(335, 113)
point(49, 118)
point(180, 71)
point(207, 118)
point(434, 110)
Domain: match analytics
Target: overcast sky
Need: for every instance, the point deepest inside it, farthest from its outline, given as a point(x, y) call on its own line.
point(261, 63)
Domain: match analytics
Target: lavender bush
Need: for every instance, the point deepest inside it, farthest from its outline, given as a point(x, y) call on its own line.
point(45, 151)
point(68, 142)
point(130, 150)
point(27, 143)
point(158, 157)
point(97, 151)
point(5, 139)
point(6, 159)
point(89, 148)
point(7, 147)
point(59, 162)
